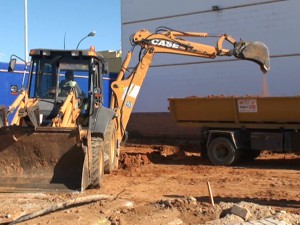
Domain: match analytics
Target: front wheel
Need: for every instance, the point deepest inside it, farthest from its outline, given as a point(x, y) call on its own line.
point(221, 151)
point(110, 148)
point(97, 162)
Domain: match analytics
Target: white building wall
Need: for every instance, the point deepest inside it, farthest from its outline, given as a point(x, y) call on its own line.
point(276, 23)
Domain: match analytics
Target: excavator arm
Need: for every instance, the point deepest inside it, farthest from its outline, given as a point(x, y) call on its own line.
point(27, 107)
point(164, 40)
point(68, 112)
point(169, 41)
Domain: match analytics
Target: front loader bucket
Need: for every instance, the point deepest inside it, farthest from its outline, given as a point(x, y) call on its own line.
point(45, 159)
point(254, 51)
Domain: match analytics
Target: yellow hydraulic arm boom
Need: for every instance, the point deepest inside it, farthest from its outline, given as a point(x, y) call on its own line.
point(164, 40)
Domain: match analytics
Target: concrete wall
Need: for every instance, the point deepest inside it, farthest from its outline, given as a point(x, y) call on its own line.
point(276, 23)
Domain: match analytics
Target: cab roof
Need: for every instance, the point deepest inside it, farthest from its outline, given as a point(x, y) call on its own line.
point(43, 52)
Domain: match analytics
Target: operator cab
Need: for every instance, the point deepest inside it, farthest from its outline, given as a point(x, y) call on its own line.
point(48, 81)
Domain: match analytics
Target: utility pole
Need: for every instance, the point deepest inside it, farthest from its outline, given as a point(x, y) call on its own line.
point(25, 31)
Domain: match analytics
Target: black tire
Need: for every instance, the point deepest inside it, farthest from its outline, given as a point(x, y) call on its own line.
point(97, 162)
point(110, 149)
point(221, 151)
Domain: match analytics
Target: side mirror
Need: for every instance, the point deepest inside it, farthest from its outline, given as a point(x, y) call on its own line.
point(105, 68)
point(12, 65)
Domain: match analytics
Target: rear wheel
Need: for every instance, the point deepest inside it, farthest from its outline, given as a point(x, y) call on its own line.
point(110, 148)
point(221, 151)
point(97, 162)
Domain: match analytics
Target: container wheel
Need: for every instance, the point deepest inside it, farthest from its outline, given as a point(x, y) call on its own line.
point(221, 151)
point(110, 149)
point(97, 162)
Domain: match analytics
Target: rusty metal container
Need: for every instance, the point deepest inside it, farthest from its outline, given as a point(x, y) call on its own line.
point(248, 112)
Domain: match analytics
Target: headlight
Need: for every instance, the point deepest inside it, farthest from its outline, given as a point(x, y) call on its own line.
point(14, 89)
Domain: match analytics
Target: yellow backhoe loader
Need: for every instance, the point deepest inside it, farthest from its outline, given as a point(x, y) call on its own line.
point(65, 140)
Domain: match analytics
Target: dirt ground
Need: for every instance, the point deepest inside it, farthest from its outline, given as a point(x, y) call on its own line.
point(163, 183)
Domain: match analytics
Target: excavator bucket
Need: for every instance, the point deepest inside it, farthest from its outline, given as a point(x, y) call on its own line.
point(254, 51)
point(45, 159)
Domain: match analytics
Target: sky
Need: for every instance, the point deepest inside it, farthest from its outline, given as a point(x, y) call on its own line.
point(59, 23)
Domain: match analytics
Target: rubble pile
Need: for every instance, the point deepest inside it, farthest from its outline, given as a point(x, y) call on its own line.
point(231, 213)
